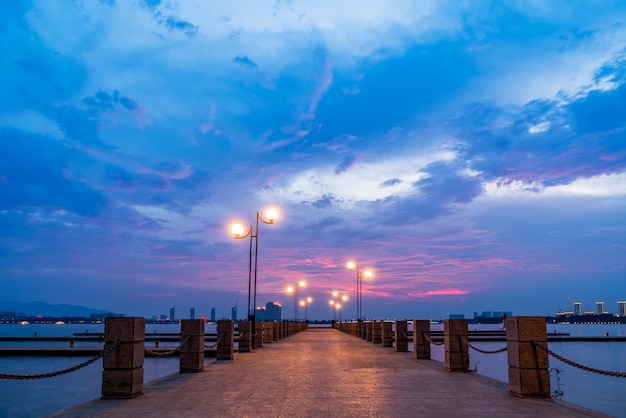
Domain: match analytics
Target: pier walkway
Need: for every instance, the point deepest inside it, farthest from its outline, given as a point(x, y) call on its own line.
point(325, 373)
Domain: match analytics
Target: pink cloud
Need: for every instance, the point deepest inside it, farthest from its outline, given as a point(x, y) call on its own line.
point(440, 292)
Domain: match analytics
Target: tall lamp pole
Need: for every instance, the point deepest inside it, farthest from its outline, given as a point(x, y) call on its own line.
point(253, 233)
point(359, 287)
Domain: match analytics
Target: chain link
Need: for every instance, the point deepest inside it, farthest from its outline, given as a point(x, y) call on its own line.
point(168, 353)
point(100, 355)
point(466, 341)
point(431, 341)
point(577, 365)
point(216, 343)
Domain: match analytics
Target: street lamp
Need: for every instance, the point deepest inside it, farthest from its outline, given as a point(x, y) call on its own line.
point(238, 233)
point(337, 304)
point(359, 287)
point(305, 303)
point(294, 290)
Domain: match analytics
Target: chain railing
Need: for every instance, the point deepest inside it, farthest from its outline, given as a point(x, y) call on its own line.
point(466, 341)
point(100, 355)
point(216, 343)
point(578, 365)
point(241, 335)
point(431, 341)
point(170, 352)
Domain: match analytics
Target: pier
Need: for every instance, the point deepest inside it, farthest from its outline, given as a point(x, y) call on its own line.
point(325, 372)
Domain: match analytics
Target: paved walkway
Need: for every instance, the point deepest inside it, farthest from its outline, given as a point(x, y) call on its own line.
point(325, 373)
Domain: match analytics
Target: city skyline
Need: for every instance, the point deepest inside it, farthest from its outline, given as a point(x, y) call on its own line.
point(473, 155)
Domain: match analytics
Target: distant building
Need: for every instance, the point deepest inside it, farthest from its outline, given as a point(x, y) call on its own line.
point(233, 313)
point(271, 312)
point(192, 313)
point(578, 308)
point(456, 316)
point(172, 311)
point(600, 308)
point(212, 314)
point(621, 308)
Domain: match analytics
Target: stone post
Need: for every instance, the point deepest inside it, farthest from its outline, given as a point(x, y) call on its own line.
point(387, 337)
point(258, 334)
point(377, 332)
point(192, 351)
point(455, 336)
point(368, 331)
point(275, 325)
point(363, 330)
point(245, 336)
point(402, 339)
point(421, 345)
point(529, 375)
point(225, 339)
point(122, 375)
point(268, 334)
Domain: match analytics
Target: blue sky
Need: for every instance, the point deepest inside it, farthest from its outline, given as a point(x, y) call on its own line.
point(472, 154)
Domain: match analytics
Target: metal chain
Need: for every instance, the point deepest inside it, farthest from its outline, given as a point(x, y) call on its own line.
point(102, 354)
point(216, 343)
point(168, 353)
point(431, 341)
point(579, 366)
point(240, 336)
point(466, 341)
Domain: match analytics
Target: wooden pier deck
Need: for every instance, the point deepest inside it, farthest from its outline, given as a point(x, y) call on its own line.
point(325, 373)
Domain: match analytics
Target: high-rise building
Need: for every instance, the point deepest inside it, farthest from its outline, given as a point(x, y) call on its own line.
point(578, 308)
point(172, 310)
point(273, 311)
point(212, 314)
point(600, 308)
point(192, 313)
point(233, 313)
point(621, 308)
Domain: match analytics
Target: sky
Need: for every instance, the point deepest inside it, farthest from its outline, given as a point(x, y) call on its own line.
point(472, 154)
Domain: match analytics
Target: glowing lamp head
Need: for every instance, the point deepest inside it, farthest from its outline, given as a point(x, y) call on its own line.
point(237, 230)
point(331, 302)
point(351, 265)
point(290, 289)
point(337, 305)
point(271, 215)
point(367, 274)
point(302, 303)
point(335, 294)
point(309, 300)
point(302, 283)
point(344, 298)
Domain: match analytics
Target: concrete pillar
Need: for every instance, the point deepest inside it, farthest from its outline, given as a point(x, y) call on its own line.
point(358, 329)
point(275, 330)
point(225, 339)
point(268, 333)
point(122, 375)
point(368, 331)
point(529, 374)
point(421, 346)
point(377, 332)
point(456, 349)
point(402, 339)
point(258, 334)
point(245, 336)
point(281, 330)
point(387, 337)
point(363, 331)
point(192, 351)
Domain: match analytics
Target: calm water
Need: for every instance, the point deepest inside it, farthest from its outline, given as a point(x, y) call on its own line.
point(34, 398)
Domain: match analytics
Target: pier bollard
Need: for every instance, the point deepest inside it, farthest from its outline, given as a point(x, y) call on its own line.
point(377, 332)
point(402, 338)
point(245, 336)
point(456, 348)
point(258, 334)
point(71, 343)
point(387, 337)
point(529, 376)
point(275, 330)
point(268, 333)
point(192, 351)
point(156, 343)
point(225, 339)
point(421, 333)
point(122, 377)
point(363, 331)
point(368, 331)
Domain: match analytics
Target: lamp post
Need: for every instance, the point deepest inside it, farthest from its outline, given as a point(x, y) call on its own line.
point(359, 287)
point(253, 233)
point(337, 304)
point(305, 303)
point(296, 299)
